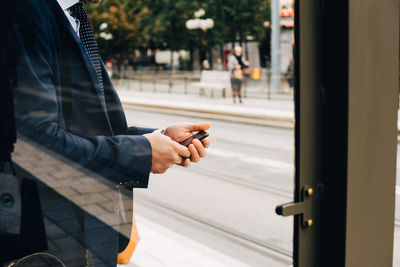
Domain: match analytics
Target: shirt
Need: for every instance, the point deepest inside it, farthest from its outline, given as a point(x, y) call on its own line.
point(65, 5)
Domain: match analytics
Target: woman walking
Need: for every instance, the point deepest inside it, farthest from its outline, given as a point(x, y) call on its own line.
point(237, 65)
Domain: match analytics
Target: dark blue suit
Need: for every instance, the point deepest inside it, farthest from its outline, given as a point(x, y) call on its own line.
point(59, 103)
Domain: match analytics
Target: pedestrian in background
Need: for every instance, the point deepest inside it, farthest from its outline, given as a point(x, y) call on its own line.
point(109, 67)
point(206, 64)
point(219, 66)
point(237, 65)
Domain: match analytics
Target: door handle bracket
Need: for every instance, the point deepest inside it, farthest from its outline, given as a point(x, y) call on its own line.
point(304, 208)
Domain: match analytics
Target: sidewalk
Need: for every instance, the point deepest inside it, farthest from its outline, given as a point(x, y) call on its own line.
point(275, 112)
point(159, 246)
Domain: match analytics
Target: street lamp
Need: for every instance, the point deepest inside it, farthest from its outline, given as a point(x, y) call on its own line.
point(103, 26)
point(202, 24)
point(104, 35)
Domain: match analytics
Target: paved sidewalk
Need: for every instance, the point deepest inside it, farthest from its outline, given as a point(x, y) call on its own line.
point(275, 112)
point(160, 247)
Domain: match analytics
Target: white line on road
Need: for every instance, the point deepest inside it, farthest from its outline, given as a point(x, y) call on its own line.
point(250, 159)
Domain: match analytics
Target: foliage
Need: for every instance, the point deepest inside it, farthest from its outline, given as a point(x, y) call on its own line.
point(122, 18)
point(161, 24)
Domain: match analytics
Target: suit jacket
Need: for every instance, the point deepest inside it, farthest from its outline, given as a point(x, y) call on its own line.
point(59, 103)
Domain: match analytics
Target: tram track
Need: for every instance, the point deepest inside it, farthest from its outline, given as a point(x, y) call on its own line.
point(267, 186)
point(240, 238)
point(257, 186)
point(255, 244)
point(236, 180)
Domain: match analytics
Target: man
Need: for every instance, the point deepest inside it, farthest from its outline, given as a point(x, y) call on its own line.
point(66, 103)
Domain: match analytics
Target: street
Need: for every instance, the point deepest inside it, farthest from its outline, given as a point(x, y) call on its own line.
point(227, 201)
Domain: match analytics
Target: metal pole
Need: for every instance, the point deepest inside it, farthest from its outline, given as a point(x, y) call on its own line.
point(185, 82)
point(154, 81)
point(140, 82)
point(269, 80)
point(275, 46)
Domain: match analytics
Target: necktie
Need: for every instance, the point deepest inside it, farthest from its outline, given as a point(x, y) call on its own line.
point(87, 37)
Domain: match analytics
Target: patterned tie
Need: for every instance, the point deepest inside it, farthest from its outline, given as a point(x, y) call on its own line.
point(87, 38)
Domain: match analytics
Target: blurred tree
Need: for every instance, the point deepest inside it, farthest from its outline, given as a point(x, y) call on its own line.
point(161, 24)
point(116, 23)
point(245, 18)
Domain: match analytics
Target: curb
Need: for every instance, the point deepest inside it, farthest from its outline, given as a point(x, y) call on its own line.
point(273, 118)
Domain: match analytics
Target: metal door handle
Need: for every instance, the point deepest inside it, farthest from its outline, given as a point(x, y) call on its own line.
point(304, 208)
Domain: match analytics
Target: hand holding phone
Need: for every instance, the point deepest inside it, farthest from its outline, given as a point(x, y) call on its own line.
point(199, 135)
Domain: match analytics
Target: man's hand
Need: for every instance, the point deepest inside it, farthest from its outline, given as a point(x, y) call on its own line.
point(166, 152)
point(180, 132)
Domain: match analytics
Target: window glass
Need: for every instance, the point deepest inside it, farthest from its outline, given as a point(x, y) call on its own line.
point(97, 87)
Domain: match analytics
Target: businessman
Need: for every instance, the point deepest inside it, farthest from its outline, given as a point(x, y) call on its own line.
point(66, 102)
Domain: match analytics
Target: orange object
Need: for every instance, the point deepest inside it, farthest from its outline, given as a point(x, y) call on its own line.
point(287, 12)
point(256, 74)
point(125, 256)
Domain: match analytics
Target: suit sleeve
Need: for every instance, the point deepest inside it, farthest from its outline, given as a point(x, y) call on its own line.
point(124, 159)
point(140, 130)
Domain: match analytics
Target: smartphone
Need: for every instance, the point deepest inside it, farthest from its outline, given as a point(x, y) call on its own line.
point(199, 135)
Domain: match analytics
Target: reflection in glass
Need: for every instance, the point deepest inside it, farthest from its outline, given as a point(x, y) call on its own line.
point(76, 160)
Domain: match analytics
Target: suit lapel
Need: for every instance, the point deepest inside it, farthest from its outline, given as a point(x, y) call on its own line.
point(63, 22)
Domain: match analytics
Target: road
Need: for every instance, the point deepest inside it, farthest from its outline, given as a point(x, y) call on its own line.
point(227, 200)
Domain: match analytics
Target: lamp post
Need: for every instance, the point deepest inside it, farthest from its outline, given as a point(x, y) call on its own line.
point(104, 35)
point(200, 24)
point(275, 46)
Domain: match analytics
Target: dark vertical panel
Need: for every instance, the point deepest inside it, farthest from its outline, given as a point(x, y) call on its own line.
point(334, 130)
point(308, 124)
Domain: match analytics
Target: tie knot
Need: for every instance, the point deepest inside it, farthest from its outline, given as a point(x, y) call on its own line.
point(78, 11)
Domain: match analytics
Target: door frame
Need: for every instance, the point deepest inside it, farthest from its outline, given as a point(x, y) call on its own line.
point(346, 103)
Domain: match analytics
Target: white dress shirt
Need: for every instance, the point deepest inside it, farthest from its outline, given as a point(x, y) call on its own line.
point(65, 5)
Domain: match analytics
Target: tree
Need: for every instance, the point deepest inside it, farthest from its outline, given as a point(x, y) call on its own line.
point(122, 18)
point(161, 24)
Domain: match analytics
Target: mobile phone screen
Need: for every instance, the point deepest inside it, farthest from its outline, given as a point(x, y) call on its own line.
point(200, 135)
